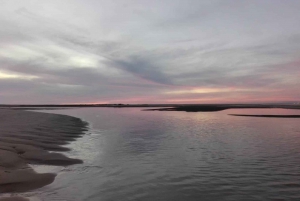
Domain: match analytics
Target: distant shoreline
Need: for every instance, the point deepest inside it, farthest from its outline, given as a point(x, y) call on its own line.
point(163, 107)
point(266, 115)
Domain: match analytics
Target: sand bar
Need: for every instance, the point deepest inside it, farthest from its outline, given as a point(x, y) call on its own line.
point(266, 115)
point(26, 138)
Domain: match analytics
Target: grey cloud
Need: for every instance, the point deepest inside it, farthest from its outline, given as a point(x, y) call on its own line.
point(80, 84)
point(143, 68)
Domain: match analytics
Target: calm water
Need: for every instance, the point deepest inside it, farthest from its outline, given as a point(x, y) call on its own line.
point(137, 155)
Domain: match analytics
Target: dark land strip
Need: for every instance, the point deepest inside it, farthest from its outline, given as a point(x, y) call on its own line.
point(220, 107)
point(163, 107)
point(263, 115)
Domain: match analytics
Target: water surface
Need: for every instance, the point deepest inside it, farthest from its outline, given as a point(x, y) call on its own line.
point(150, 155)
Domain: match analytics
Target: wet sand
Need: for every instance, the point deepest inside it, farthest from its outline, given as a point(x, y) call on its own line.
point(26, 138)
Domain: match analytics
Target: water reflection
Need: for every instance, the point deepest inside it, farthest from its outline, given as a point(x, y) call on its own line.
point(183, 156)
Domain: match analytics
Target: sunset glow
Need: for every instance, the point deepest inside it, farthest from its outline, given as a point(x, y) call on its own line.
point(6, 75)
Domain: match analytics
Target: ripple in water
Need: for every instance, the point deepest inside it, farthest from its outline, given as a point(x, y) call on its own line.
point(138, 155)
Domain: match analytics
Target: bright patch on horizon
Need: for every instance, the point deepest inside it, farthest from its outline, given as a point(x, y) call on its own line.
point(50, 55)
point(205, 90)
point(5, 75)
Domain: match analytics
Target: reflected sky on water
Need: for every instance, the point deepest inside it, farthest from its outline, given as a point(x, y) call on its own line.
point(131, 154)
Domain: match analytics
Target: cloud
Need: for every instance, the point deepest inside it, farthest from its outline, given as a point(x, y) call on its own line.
point(164, 51)
point(143, 68)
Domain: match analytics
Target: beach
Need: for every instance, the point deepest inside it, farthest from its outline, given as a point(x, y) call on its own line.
point(33, 138)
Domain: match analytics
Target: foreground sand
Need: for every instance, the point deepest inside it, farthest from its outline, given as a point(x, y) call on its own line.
point(26, 138)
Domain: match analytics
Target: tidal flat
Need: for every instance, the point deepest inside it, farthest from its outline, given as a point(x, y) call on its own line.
point(33, 138)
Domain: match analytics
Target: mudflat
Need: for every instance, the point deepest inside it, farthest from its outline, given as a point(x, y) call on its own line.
point(26, 138)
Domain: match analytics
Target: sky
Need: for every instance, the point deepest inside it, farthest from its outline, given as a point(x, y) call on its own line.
point(141, 51)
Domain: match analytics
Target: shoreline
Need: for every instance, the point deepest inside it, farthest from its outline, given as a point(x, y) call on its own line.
point(160, 107)
point(28, 138)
